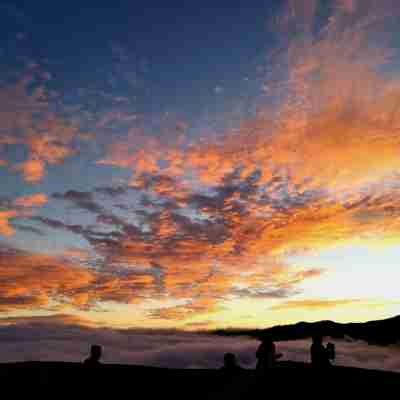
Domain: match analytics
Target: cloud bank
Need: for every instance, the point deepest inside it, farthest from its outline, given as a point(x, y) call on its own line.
point(48, 340)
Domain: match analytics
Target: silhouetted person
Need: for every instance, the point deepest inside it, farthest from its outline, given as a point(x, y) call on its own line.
point(266, 355)
point(95, 355)
point(320, 355)
point(230, 363)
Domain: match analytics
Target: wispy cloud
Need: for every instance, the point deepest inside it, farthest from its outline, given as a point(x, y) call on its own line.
point(310, 304)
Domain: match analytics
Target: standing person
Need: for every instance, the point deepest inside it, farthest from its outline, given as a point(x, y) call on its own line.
point(320, 355)
point(266, 355)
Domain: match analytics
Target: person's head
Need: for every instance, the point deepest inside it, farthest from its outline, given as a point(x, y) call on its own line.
point(267, 342)
point(317, 339)
point(95, 352)
point(229, 360)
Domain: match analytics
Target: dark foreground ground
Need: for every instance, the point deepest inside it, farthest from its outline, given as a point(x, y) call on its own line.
point(288, 380)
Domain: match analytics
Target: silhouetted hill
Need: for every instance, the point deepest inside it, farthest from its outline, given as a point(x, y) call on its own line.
point(289, 380)
point(383, 332)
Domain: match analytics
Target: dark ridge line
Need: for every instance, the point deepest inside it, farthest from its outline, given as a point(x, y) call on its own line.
point(381, 332)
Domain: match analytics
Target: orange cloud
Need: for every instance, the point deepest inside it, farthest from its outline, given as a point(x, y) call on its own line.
point(6, 228)
point(221, 213)
point(26, 120)
point(34, 200)
point(337, 126)
point(236, 251)
point(42, 282)
point(335, 134)
point(26, 202)
point(33, 170)
point(32, 280)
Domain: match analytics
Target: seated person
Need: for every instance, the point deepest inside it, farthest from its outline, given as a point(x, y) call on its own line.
point(230, 363)
point(95, 355)
point(320, 355)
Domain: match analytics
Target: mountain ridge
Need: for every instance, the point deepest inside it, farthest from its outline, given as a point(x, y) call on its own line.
point(378, 332)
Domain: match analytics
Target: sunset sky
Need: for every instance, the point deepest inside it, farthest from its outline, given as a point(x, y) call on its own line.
point(199, 165)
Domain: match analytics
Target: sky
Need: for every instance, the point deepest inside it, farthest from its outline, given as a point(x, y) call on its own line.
point(167, 165)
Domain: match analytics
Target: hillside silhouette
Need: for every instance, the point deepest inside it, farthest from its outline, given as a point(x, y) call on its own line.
point(288, 380)
point(382, 332)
